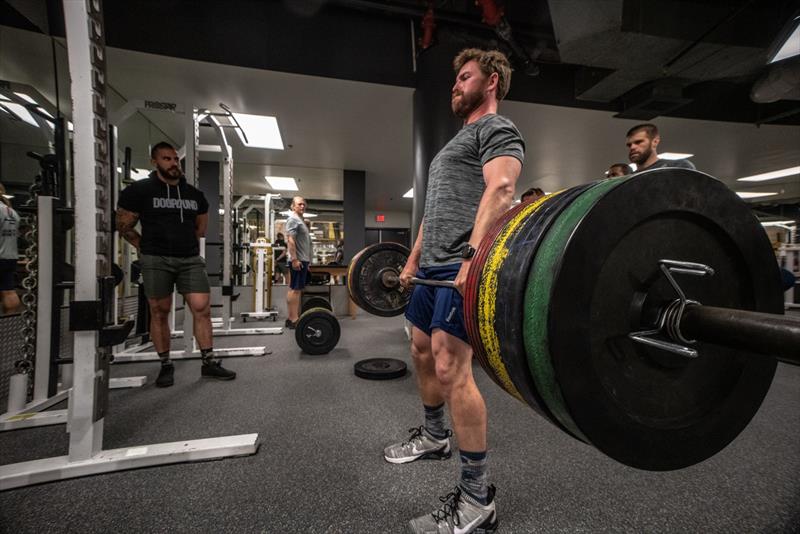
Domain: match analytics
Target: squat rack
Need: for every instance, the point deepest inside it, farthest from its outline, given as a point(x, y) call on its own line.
point(90, 312)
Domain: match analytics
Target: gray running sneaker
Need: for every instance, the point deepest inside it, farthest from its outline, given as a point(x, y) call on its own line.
point(459, 514)
point(421, 444)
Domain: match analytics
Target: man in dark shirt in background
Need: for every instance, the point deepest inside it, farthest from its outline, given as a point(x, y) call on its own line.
point(174, 215)
point(642, 141)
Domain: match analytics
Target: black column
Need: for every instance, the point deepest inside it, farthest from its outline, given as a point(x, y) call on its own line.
point(353, 205)
point(434, 122)
point(208, 183)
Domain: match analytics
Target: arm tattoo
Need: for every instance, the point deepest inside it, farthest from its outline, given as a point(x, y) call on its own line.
point(126, 222)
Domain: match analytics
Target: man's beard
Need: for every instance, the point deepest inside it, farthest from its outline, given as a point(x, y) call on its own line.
point(469, 102)
point(642, 157)
point(174, 172)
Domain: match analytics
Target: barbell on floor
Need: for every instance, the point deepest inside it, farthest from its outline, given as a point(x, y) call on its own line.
point(638, 314)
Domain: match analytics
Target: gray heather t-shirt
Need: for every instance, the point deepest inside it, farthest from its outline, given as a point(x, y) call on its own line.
point(9, 223)
point(455, 185)
point(296, 228)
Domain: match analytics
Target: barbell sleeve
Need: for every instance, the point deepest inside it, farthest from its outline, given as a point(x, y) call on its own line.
point(435, 283)
point(764, 333)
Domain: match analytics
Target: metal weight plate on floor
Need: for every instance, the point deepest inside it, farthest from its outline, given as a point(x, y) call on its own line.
point(487, 302)
point(471, 290)
point(373, 279)
point(512, 278)
point(380, 368)
point(640, 405)
point(538, 300)
point(316, 302)
point(317, 331)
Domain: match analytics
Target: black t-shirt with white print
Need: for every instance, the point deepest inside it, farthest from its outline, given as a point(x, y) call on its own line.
point(167, 214)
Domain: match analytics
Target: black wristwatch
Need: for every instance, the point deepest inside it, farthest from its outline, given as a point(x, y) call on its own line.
point(468, 251)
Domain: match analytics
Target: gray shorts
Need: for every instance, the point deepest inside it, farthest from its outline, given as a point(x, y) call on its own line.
point(161, 274)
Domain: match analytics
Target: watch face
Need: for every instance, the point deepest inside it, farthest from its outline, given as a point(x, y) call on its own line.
point(468, 251)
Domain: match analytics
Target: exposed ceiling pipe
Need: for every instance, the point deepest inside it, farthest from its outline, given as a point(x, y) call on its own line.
point(428, 25)
point(493, 17)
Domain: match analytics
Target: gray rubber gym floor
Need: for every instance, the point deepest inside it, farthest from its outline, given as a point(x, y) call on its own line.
point(320, 470)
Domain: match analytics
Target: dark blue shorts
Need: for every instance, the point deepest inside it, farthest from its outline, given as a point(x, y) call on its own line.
point(7, 270)
point(438, 307)
point(299, 279)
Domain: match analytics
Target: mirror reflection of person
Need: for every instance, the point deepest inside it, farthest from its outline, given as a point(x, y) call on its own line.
point(9, 254)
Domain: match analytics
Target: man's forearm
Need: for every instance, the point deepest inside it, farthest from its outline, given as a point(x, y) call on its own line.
point(131, 236)
point(495, 202)
point(416, 250)
point(291, 248)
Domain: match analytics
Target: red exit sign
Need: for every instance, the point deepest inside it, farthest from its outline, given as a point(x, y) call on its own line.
point(380, 218)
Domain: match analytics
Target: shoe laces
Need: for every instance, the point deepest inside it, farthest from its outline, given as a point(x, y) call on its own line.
point(416, 435)
point(449, 507)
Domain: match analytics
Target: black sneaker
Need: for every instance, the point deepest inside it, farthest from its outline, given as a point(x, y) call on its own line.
point(214, 369)
point(166, 376)
point(290, 325)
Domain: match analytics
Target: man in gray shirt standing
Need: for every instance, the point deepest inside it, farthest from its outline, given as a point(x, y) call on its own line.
point(9, 224)
point(298, 245)
point(471, 184)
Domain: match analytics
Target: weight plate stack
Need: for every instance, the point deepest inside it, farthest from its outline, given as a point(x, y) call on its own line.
point(317, 331)
point(316, 302)
point(640, 405)
point(471, 290)
point(487, 302)
point(538, 301)
point(521, 248)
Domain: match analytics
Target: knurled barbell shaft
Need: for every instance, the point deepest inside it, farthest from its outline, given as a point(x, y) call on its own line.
point(764, 333)
point(434, 283)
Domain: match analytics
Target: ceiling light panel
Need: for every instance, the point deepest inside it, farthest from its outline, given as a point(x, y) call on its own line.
point(755, 194)
point(774, 175)
point(19, 111)
point(281, 183)
point(409, 193)
point(261, 131)
point(672, 156)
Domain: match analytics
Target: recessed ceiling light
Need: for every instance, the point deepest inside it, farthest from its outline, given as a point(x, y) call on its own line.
point(409, 193)
point(755, 194)
point(8, 196)
point(774, 175)
point(19, 111)
point(633, 166)
point(261, 131)
point(674, 155)
point(4, 98)
point(26, 98)
point(281, 183)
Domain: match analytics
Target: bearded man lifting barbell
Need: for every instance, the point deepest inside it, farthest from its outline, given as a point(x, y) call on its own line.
point(470, 184)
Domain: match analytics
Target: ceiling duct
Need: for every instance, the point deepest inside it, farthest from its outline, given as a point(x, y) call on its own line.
point(653, 99)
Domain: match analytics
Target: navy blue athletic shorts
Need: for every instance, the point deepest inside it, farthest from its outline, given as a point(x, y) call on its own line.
point(7, 270)
point(438, 307)
point(299, 279)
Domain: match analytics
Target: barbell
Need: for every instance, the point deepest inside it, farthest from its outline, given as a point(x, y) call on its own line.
point(641, 314)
